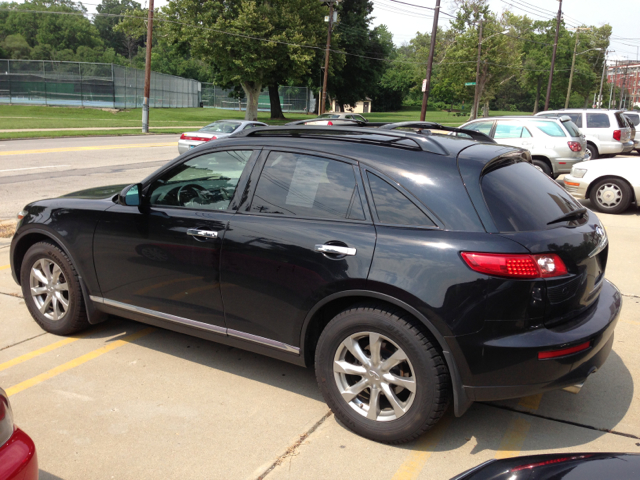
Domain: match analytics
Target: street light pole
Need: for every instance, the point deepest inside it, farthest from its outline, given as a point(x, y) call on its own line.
point(326, 60)
point(147, 72)
point(604, 67)
point(474, 115)
point(434, 31)
point(553, 57)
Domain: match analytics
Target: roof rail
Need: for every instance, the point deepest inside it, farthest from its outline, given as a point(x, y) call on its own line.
point(377, 136)
point(477, 136)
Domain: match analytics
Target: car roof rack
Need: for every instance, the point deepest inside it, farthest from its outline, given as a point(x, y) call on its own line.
point(477, 136)
point(406, 140)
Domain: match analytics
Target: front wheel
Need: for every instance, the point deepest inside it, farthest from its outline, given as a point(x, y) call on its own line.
point(611, 196)
point(51, 290)
point(381, 375)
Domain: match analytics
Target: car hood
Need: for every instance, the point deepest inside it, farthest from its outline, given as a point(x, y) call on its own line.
point(612, 165)
point(96, 193)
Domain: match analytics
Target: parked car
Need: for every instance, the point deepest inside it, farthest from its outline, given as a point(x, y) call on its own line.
point(329, 119)
point(213, 131)
point(611, 185)
point(558, 466)
point(605, 130)
point(555, 144)
point(410, 270)
point(18, 458)
point(344, 115)
point(634, 119)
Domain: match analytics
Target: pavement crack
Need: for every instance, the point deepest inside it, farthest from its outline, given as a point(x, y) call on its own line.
point(631, 296)
point(567, 422)
point(291, 450)
point(16, 295)
point(22, 341)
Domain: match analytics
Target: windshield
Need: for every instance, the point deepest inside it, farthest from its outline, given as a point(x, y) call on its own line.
point(221, 127)
point(520, 198)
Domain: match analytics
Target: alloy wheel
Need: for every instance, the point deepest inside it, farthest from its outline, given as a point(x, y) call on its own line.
point(609, 195)
point(374, 376)
point(49, 289)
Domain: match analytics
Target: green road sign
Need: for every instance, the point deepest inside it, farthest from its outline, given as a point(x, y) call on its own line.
point(468, 84)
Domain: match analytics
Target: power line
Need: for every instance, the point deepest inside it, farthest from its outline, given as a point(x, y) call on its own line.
point(422, 6)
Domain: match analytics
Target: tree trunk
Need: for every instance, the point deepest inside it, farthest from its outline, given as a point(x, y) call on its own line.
point(537, 102)
point(252, 91)
point(485, 109)
point(274, 99)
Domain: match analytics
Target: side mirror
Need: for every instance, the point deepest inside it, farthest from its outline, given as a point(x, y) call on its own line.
point(131, 195)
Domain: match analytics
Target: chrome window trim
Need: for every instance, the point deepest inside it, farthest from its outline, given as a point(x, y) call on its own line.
point(200, 325)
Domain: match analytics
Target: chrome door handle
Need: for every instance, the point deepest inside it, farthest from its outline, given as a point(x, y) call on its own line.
point(335, 249)
point(196, 232)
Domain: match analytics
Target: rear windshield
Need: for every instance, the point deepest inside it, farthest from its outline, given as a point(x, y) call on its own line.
point(621, 122)
point(549, 127)
point(520, 198)
point(634, 117)
point(221, 127)
point(572, 128)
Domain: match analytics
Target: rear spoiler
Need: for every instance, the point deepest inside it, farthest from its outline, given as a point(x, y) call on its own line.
point(477, 136)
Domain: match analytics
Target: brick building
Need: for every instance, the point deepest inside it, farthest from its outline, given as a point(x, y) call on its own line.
point(625, 74)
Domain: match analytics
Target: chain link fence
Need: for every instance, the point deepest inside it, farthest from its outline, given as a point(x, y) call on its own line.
point(292, 99)
point(45, 82)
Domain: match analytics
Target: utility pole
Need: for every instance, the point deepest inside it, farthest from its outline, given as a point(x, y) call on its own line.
point(326, 58)
point(476, 99)
point(615, 75)
point(604, 67)
point(434, 31)
point(623, 93)
point(553, 57)
point(147, 72)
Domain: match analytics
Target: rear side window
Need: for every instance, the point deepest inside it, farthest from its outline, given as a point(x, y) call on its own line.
point(521, 199)
point(572, 128)
point(307, 186)
point(482, 127)
point(393, 207)
point(549, 127)
point(598, 120)
point(575, 118)
point(634, 117)
point(509, 130)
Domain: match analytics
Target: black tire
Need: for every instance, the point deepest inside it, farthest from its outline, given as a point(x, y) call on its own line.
point(74, 318)
point(542, 165)
point(593, 151)
point(425, 366)
point(607, 200)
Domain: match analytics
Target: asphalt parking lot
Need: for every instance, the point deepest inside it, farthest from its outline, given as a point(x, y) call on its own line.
point(125, 401)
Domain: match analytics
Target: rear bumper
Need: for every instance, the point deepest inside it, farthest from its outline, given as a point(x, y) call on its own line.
point(507, 366)
point(186, 145)
point(563, 165)
point(18, 458)
point(628, 146)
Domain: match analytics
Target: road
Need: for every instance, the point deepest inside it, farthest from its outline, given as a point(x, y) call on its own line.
point(122, 401)
point(35, 169)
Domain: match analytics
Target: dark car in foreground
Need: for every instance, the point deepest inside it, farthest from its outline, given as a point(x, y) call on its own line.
point(409, 269)
point(18, 459)
point(558, 466)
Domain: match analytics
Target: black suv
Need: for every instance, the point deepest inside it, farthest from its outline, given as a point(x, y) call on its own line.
point(410, 269)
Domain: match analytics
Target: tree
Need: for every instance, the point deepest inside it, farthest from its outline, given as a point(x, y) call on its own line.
point(228, 36)
point(112, 37)
point(16, 46)
point(131, 29)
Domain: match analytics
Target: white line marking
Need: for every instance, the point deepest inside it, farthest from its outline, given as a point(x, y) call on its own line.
point(34, 168)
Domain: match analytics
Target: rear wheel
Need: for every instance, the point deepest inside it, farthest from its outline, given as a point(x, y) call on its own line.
point(542, 166)
point(592, 152)
point(51, 290)
point(381, 375)
point(611, 196)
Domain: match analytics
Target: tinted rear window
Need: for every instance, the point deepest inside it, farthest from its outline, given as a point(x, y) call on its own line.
point(393, 207)
point(572, 129)
point(520, 198)
point(634, 117)
point(599, 120)
point(550, 128)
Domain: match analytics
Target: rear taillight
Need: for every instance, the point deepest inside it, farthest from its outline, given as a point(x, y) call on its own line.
point(575, 146)
point(516, 265)
point(6, 418)
point(330, 123)
point(563, 351)
point(196, 139)
point(617, 135)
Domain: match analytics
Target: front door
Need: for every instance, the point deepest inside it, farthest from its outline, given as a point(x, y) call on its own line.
point(305, 233)
point(164, 257)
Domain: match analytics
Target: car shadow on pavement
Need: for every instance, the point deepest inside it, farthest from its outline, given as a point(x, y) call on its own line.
point(42, 475)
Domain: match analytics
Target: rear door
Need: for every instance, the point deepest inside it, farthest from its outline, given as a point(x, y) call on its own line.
point(510, 132)
point(524, 205)
point(303, 232)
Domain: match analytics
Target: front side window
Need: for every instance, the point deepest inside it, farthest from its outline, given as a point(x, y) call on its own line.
point(206, 182)
point(598, 120)
point(393, 207)
point(307, 186)
point(550, 128)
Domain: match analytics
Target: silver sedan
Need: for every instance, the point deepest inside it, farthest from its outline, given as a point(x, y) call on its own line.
point(214, 131)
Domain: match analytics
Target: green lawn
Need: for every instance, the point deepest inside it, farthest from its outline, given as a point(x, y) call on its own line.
point(23, 117)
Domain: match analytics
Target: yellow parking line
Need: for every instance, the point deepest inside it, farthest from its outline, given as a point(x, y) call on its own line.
point(513, 438)
point(625, 321)
point(79, 149)
point(77, 362)
point(4, 267)
point(424, 447)
point(531, 402)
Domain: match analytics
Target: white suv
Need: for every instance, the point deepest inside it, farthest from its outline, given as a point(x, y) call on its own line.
point(605, 130)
